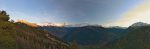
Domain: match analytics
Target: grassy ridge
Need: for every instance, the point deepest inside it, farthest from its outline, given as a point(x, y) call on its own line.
point(21, 36)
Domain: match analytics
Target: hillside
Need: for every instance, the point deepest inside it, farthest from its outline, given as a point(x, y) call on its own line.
point(136, 38)
point(21, 36)
point(57, 31)
point(86, 36)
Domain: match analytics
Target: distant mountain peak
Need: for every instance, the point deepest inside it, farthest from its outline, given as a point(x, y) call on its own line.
point(53, 24)
point(28, 23)
point(137, 24)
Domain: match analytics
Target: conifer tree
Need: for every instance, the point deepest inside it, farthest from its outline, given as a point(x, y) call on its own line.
point(4, 16)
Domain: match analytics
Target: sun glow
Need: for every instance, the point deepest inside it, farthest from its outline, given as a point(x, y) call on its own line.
point(140, 13)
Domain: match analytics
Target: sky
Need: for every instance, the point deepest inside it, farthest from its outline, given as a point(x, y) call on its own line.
point(103, 12)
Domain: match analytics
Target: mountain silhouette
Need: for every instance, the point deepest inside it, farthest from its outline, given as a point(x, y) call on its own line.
point(138, 24)
point(136, 37)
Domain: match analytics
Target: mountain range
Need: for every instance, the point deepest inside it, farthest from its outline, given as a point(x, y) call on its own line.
point(21, 35)
point(94, 36)
point(26, 35)
point(97, 36)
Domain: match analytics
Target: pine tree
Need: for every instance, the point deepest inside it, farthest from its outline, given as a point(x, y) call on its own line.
point(4, 16)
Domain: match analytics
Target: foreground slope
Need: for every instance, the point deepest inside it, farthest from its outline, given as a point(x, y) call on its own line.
point(21, 36)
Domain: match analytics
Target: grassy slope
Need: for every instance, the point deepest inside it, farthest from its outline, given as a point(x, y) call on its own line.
point(20, 36)
point(7, 40)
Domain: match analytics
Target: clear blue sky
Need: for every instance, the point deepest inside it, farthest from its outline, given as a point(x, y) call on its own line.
point(69, 11)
